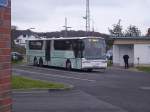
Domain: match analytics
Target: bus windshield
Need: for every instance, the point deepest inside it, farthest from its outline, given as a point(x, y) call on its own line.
point(94, 48)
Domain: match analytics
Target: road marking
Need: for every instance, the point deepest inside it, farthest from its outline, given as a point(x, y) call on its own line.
point(51, 69)
point(31, 92)
point(145, 88)
point(59, 76)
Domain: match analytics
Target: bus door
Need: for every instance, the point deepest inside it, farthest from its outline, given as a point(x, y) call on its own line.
point(48, 50)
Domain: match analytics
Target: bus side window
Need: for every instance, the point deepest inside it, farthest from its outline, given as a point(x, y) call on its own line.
point(82, 45)
point(78, 47)
point(35, 45)
point(62, 45)
point(57, 45)
point(68, 45)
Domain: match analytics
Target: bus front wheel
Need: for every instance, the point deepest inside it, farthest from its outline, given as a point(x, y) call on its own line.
point(68, 65)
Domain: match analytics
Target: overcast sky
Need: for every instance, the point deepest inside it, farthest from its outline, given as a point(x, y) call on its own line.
point(49, 15)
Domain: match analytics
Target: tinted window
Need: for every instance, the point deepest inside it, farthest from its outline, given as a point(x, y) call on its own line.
point(95, 49)
point(77, 46)
point(35, 45)
point(63, 45)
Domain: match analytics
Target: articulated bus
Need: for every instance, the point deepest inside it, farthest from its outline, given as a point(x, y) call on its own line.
point(86, 53)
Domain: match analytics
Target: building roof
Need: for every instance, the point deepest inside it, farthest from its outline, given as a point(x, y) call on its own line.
point(62, 38)
point(16, 33)
point(131, 40)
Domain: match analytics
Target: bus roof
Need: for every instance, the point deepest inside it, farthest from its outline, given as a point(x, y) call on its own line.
point(66, 38)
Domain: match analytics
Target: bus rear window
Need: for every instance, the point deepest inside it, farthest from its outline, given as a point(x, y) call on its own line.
point(35, 45)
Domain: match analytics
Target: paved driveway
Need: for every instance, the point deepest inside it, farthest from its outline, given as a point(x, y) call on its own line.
point(115, 90)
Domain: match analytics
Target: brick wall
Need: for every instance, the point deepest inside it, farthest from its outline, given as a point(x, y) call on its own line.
point(5, 65)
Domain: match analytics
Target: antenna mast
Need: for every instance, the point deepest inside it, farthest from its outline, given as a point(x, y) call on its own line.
point(87, 16)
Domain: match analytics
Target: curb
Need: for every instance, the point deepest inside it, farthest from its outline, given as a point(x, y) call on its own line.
point(130, 69)
point(44, 90)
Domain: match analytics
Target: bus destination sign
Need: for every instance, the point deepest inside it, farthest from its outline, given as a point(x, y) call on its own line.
point(3, 3)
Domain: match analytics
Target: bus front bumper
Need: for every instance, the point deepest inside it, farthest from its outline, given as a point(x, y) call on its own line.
point(94, 64)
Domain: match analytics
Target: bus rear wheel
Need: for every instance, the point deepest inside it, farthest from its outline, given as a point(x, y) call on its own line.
point(68, 65)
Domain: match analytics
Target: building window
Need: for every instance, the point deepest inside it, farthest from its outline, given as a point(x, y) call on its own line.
point(24, 35)
point(17, 40)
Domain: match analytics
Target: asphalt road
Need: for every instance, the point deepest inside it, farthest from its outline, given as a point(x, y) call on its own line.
point(116, 90)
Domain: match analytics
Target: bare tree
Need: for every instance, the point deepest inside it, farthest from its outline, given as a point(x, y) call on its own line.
point(132, 31)
point(116, 30)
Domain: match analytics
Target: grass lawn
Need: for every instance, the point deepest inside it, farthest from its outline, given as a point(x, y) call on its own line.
point(17, 62)
point(144, 69)
point(109, 63)
point(19, 82)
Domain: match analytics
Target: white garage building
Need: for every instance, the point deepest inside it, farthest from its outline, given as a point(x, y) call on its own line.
point(138, 49)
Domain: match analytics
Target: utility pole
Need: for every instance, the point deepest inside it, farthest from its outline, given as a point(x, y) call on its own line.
point(66, 27)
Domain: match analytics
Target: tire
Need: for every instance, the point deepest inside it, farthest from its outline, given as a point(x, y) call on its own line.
point(68, 65)
point(41, 62)
point(35, 62)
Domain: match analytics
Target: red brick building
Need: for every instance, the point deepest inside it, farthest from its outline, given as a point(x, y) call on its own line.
point(5, 62)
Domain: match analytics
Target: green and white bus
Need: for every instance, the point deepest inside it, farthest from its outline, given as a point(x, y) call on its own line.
point(85, 53)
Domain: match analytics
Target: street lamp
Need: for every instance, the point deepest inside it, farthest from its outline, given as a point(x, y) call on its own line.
point(66, 27)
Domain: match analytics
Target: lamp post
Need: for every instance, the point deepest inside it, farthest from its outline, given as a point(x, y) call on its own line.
point(66, 28)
